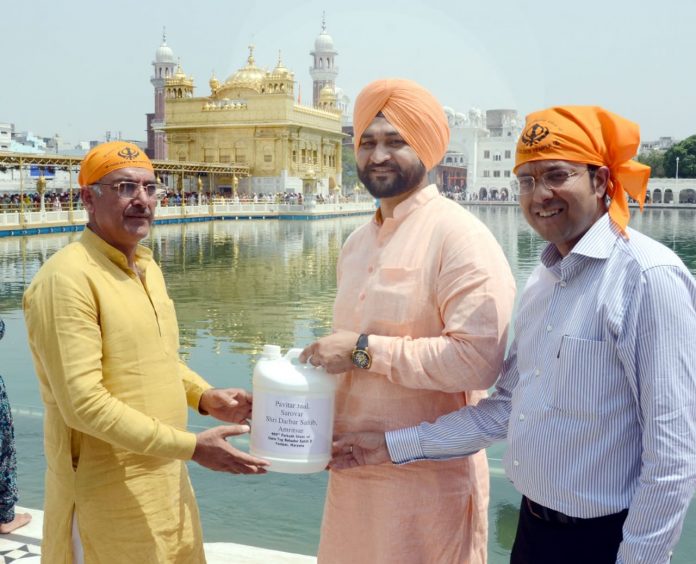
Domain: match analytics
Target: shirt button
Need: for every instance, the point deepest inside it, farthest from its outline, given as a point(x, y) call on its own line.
point(537, 372)
point(362, 297)
point(516, 462)
point(521, 416)
point(549, 328)
point(563, 284)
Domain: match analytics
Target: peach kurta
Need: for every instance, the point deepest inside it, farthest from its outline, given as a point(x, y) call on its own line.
point(432, 288)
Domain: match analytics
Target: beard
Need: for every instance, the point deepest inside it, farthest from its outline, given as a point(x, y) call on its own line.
point(400, 181)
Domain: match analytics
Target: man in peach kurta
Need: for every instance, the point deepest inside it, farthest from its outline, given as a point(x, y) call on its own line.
point(420, 323)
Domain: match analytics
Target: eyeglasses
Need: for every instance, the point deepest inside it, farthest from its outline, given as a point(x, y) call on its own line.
point(2, 328)
point(130, 190)
point(552, 179)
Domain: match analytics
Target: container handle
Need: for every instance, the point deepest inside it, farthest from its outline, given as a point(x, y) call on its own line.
point(293, 354)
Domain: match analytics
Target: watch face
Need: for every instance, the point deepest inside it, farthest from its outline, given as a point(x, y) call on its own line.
point(361, 359)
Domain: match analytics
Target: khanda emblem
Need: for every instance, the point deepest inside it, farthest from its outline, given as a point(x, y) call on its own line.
point(534, 134)
point(128, 153)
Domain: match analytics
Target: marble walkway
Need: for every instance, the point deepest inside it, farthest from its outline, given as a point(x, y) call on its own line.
point(24, 547)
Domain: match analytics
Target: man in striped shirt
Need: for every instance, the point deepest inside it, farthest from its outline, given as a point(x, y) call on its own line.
point(597, 397)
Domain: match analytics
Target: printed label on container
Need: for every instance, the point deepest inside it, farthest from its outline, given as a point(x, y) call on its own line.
point(292, 424)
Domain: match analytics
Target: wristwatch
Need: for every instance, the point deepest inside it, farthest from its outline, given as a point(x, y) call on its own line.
point(360, 357)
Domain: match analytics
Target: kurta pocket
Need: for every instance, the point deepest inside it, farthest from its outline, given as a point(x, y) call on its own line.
point(168, 326)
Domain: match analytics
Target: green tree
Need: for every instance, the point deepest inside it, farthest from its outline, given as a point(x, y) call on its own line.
point(349, 171)
point(686, 151)
point(655, 160)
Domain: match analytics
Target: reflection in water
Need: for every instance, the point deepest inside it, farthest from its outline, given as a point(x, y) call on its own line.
point(259, 281)
point(506, 517)
point(238, 285)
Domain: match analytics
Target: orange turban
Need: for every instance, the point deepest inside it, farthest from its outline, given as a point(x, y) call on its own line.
point(107, 157)
point(411, 109)
point(589, 135)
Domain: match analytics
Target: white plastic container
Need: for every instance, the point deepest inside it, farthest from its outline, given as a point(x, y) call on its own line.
point(293, 413)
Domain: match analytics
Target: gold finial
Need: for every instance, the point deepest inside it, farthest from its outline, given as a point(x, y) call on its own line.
point(40, 184)
point(250, 60)
point(280, 60)
point(214, 82)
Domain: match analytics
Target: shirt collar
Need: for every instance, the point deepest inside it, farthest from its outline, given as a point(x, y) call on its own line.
point(143, 255)
point(416, 200)
point(596, 243)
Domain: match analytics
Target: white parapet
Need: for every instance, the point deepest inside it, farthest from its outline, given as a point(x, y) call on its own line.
point(64, 220)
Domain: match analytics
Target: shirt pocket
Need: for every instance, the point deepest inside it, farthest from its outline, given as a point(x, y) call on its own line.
point(588, 379)
point(394, 300)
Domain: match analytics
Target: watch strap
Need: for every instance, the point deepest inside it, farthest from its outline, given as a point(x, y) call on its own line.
point(362, 342)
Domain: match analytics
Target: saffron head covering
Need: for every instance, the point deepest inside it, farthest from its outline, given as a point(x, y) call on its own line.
point(589, 135)
point(411, 109)
point(107, 157)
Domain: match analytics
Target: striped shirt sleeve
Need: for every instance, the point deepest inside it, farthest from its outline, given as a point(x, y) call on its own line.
point(462, 432)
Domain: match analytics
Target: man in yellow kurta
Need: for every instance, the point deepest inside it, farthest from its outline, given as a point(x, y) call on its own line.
point(420, 321)
point(104, 338)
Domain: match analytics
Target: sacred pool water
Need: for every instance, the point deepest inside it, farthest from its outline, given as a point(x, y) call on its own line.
point(238, 285)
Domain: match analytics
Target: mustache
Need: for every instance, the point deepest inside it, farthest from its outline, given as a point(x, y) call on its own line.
point(136, 209)
point(388, 167)
point(549, 206)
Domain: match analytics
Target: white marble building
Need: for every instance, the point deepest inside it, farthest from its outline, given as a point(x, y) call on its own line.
point(486, 145)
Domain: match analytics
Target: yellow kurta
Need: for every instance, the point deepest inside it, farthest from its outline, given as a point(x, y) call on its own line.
point(432, 288)
point(105, 348)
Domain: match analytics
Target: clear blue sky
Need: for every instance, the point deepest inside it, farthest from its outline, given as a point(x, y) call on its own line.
point(80, 68)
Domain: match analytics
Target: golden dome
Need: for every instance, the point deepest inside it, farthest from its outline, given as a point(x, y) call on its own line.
point(248, 76)
point(179, 74)
point(327, 94)
point(179, 78)
point(280, 71)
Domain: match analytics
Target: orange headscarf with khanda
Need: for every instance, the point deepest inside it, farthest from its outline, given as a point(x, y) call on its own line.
point(411, 109)
point(589, 135)
point(107, 157)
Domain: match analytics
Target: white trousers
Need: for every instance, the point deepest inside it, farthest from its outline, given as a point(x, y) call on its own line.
point(78, 553)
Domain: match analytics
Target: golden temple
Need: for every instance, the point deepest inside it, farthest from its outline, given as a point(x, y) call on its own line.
point(252, 118)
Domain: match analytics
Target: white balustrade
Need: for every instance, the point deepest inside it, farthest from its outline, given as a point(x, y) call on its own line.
point(33, 219)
